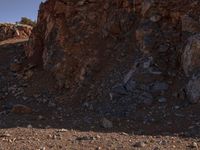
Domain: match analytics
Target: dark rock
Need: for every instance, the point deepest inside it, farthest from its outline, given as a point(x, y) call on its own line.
point(193, 88)
point(146, 98)
point(139, 144)
point(106, 123)
point(159, 86)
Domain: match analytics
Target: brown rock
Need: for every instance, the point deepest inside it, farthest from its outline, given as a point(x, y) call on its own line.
point(71, 39)
point(190, 25)
point(15, 67)
point(8, 30)
point(21, 109)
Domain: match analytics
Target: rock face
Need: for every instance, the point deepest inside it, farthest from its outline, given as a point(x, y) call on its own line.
point(8, 31)
point(80, 40)
point(169, 31)
point(76, 39)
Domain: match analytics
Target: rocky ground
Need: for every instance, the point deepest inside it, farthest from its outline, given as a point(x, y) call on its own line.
point(36, 114)
point(104, 75)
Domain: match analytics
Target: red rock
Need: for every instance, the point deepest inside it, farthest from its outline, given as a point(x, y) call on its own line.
point(8, 31)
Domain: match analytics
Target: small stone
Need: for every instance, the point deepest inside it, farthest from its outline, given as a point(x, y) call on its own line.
point(146, 98)
point(62, 130)
point(155, 18)
point(194, 145)
point(159, 86)
point(130, 86)
point(106, 123)
point(15, 67)
point(119, 89)
point(163, 48)
point(28, 74)
point(162, 100)
point(21, 109)
point(85, 138)
point(40, 117)
point(51, 104)
point(163, 142)
point(42, 148)
point(29, 126)
point(139, 144)
point(5, 135)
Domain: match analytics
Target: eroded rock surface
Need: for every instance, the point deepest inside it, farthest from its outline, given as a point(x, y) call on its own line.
point(93, 45)
point(76, 40)
point(8, 31)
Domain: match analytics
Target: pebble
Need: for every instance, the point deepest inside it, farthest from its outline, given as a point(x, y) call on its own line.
point(155, 18)
point(162, 100)
point(40, 117)
point(156, 148)
point(194, 145)
point(29, 126)
point(106, 123)
point(62, 130)
point(15, 67)
point(51, 104)
point(85, 138)
point(5, 135)
point(28, 74)
point(139, 144)
point(159, 86)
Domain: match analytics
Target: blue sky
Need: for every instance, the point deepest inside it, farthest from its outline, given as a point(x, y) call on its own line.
point(13, 10)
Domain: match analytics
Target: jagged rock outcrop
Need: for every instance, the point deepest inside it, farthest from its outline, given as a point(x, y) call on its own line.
point(8, 31)
point(83, 41)
point(164, 28)
point(77, 39)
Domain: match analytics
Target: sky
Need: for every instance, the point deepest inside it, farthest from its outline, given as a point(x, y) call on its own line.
point(13, 10)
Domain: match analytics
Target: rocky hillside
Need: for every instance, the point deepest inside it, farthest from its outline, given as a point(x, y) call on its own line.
point(104, 74)
point(18, 31)
point(100, 45)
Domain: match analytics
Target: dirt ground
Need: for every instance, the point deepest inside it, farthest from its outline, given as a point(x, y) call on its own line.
point(35, 114)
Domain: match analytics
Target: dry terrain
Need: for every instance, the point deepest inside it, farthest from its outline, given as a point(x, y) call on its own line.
point(32, 118)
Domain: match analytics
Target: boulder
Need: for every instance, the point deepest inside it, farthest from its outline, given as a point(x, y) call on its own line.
point(193, 88)
point(191, 55)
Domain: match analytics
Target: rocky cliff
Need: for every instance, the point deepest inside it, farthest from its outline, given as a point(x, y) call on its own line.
point(169, 30)
point(79, 40)
point(8, 31)
point(93, 45)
